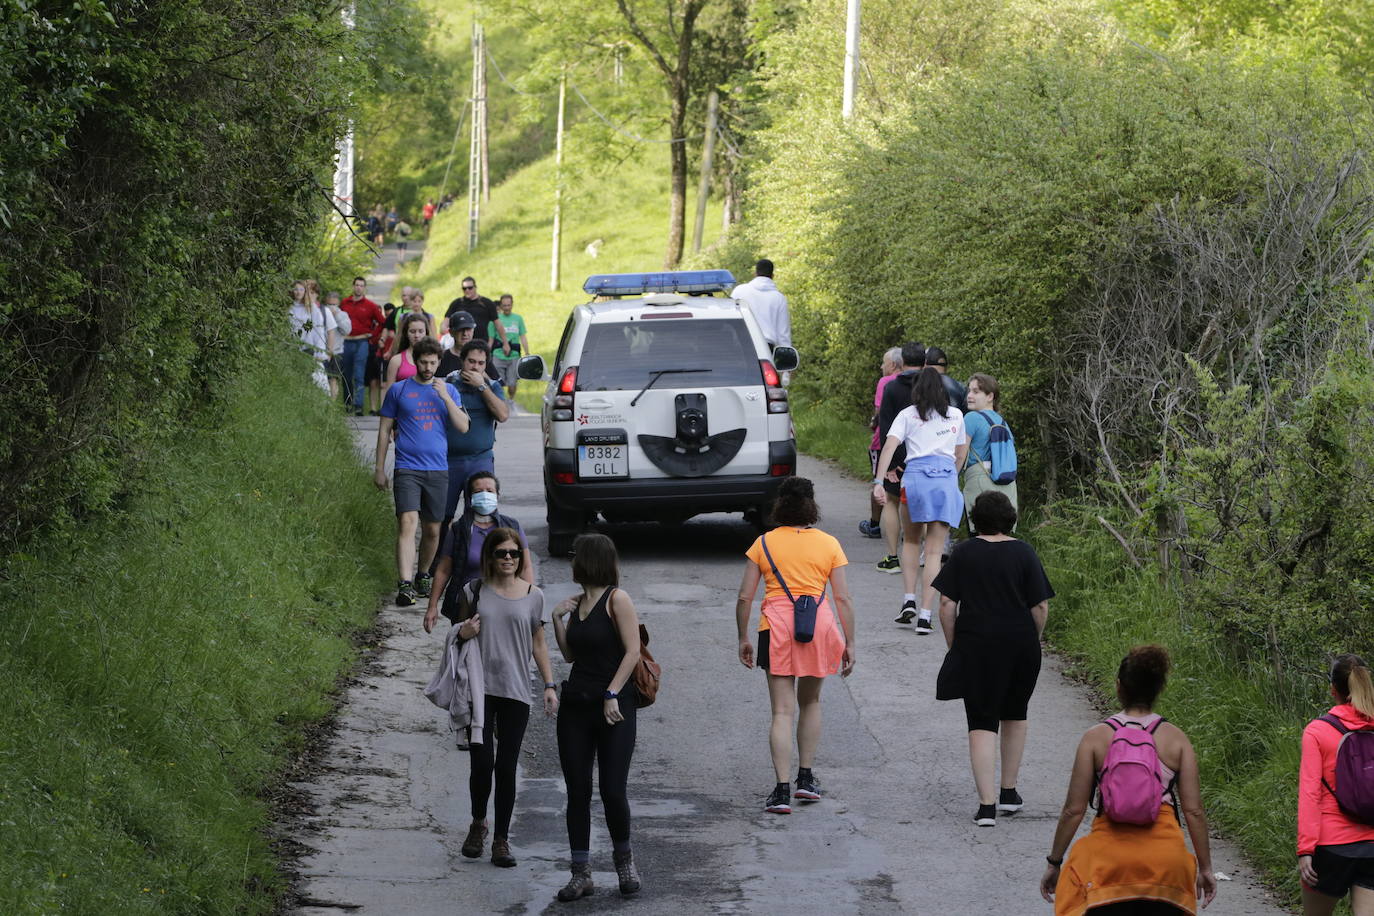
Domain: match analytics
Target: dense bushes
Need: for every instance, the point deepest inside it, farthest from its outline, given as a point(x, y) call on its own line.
point(161, 165)
point(158, 669)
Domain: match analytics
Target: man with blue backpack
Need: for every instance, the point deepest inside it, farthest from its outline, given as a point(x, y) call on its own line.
point(991, 463)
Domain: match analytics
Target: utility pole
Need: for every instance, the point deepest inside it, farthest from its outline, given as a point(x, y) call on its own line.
point(482, 94)
point(708, 153)
point(851, 58)
point(343, 165)
point(475, 140)
point(554, 278)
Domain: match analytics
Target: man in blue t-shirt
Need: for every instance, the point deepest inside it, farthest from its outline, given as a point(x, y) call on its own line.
point(421, 410)
point(470, 451)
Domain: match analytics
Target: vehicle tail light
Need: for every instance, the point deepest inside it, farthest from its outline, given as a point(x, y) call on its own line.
point(564, 477)
point(770, 375)
point(780, 470)
point(777, 395)
point(568, 383)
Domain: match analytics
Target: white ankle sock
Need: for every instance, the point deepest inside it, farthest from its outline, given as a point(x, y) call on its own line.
point(926, 614)
point(908, 597)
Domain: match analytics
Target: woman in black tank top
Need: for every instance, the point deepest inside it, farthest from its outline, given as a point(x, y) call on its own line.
point(598, 633)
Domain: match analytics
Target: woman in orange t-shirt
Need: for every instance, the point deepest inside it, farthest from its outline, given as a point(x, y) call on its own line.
point(808, 559)
point(1335, 851)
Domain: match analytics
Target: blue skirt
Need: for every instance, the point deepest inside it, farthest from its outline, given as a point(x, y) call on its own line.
point(931, 487)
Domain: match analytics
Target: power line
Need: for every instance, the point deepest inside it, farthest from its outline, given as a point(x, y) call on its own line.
point(594, 110)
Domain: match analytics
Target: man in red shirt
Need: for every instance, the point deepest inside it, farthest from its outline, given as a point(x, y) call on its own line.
point(428, 214)
point(360, 346)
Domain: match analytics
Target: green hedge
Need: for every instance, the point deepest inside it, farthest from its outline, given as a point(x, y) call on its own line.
point(159, 667)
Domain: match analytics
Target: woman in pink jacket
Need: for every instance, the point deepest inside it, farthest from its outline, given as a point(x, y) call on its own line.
point(1335, 852)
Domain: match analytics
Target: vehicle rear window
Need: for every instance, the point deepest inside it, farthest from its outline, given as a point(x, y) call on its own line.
point(616, 357)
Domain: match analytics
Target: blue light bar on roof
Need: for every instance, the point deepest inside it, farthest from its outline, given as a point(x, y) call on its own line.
point(672, 281)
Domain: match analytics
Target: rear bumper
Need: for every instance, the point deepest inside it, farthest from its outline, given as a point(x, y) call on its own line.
point(668, 495)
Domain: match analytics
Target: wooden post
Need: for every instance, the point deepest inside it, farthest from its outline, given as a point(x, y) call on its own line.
point(707, 158)
point(554, 278)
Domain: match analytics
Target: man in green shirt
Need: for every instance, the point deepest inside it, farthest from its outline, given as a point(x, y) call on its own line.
point(506, 359)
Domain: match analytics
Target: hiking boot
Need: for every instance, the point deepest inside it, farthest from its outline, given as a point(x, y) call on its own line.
point(405, 594)
point(808, 789)
point(870, 529)
point(778, 800)
point(423, 584)
point(626, 872)
point(472, 846)
point(500, 853)
point(1009, 801)
point(986, 816)
point(889, 564)
point(923, 626)
point(907, 612)
point(580, 885)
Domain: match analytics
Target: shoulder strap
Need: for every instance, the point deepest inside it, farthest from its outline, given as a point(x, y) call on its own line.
point(1112, 724)
point(763, 539)
point(1335, 723)
point(470, 603)
point(1156, 724)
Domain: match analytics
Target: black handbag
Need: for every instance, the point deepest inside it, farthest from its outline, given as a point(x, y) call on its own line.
point(803, 609)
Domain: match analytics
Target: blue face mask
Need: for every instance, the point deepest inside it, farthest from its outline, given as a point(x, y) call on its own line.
point(484, 502)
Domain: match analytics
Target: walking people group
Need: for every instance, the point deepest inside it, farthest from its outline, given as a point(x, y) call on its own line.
point(943, 457)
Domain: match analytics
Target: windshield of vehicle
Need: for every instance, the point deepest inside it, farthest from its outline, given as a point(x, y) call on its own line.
point(618, 357)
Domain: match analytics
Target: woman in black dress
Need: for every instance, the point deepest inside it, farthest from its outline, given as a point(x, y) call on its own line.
point(598, 632)
point(994, 599)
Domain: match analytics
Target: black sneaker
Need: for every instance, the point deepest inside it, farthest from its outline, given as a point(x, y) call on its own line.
point(923, 626)
point(986, 816)
point(870, 530)
point(423, 584)
point(405, 594)
point(778, 800)
point(907, 612)
point(808, 789)
point(1009, 801)
point(890, 564)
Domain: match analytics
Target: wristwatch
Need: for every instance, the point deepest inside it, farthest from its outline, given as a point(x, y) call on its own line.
point(612, 695)
point(550, 685)
point(483, 387)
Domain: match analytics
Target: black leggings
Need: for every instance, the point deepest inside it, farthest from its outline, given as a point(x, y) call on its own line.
point(499, 752)
point(585, 738)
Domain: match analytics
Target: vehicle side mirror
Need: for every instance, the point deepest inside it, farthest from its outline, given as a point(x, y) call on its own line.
point(531, 367)
point(785, 359)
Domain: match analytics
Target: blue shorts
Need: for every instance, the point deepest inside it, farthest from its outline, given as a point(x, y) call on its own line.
point(930, 486)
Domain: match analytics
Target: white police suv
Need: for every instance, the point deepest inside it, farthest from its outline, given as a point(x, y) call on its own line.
point(663, 402)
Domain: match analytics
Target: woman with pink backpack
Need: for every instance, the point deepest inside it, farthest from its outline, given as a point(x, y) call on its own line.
point(1134, 859)
point(1336, 799)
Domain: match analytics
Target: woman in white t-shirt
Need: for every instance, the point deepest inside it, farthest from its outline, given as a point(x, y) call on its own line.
point(936, 445)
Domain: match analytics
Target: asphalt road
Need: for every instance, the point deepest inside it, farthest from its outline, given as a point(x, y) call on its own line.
point(894, 833)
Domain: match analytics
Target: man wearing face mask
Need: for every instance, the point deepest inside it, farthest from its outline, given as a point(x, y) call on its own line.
point(458, 560)
point(471, 450)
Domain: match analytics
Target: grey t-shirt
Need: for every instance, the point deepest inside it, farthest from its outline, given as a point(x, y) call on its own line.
point(507, 640)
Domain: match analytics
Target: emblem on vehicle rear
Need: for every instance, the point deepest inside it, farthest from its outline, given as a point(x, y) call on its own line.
point(751, 395)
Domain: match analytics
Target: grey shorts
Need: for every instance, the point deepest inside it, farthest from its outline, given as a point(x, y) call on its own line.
point(508, 372)
point(421, 491)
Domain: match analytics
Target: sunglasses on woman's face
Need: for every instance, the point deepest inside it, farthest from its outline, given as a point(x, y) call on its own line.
point(508, 553)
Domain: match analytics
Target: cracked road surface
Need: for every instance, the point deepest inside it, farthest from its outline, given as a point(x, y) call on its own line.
point(894, 833)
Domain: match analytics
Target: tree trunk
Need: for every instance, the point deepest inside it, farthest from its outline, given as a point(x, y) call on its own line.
point(677, 158)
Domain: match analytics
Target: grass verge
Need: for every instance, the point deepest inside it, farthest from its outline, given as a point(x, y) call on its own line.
point(159, 668)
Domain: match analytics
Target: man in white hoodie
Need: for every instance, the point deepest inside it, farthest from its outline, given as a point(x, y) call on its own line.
point(768, 305)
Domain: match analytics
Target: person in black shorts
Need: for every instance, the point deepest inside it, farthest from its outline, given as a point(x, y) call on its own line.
point(994, 599)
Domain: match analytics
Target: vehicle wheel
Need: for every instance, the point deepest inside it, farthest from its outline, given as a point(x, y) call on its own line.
point(564, 526)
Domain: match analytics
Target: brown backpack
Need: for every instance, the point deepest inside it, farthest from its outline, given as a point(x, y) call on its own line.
point(648, 672)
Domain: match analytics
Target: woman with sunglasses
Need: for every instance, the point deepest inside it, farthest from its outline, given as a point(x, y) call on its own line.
point(505, 614)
